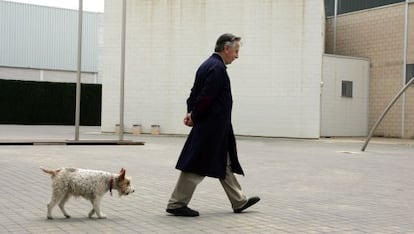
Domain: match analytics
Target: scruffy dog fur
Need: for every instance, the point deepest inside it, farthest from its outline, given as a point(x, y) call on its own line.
point(90, 184)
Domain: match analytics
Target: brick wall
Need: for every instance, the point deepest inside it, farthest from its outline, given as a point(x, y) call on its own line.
point(378, 35)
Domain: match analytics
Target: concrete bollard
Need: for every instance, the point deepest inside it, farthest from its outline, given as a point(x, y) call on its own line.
point(136, 129)
point(155, 129)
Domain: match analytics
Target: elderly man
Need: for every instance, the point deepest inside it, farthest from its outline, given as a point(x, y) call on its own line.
point(210, 149)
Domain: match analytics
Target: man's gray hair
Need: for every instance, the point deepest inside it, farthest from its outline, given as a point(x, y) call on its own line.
point(225, 39)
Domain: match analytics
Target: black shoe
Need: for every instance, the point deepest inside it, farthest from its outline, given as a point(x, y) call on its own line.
point(183, 211)
point(250, 202)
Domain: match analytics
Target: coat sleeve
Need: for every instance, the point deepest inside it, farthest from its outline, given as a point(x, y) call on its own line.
point(201, 98)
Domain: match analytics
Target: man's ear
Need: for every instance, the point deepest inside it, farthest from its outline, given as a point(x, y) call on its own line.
point(226, 48)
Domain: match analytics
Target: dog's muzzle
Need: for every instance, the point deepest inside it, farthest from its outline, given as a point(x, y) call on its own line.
point(131, 191)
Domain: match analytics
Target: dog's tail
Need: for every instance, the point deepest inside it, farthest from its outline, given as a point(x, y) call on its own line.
point(50, 171)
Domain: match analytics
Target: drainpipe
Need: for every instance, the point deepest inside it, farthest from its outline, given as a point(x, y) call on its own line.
point(122, 90)
point(78, 72)
point(404, 68)
point(334, 26)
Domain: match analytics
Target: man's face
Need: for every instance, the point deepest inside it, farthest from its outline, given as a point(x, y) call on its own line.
point(230, 53)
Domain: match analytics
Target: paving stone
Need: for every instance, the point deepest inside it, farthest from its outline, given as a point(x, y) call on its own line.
point(306, 186)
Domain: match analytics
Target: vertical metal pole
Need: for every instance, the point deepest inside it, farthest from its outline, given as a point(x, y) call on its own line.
point(404, 69)
point(122, 91)
point(79, 68)
point(334, 27)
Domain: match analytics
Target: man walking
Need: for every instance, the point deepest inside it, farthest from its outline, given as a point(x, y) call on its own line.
point(210, 149)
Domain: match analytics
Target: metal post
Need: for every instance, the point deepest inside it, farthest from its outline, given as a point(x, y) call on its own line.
point(404, 77)
point(334, 27)
point(385, 112)
point(78, 74)
point(122, 91)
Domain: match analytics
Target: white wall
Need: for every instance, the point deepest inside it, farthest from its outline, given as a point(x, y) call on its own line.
point(344, 116)
point(275, 82)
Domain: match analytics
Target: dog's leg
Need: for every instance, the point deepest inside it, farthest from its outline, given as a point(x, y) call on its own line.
point(49, 209)
point(53, 201)
point(62, 205)
point(92, 212)
point(97, 207)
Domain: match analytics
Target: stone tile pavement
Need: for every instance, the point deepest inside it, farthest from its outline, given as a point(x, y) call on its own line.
point(306, 186)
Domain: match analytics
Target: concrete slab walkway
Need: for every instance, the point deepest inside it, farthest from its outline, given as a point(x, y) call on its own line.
point(306, 186)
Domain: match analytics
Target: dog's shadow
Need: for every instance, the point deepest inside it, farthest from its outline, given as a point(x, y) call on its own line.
point(79, 219)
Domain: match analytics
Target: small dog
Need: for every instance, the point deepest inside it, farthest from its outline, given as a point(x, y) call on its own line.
point(90, 184)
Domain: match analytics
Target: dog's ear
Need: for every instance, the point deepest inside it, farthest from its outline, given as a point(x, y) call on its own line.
point(122, 174)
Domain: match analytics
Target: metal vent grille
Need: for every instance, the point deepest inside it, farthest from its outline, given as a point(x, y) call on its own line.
point(410, 72)
point(347, 88)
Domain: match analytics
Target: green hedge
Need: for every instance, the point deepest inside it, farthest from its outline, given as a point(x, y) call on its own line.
point(31, 102)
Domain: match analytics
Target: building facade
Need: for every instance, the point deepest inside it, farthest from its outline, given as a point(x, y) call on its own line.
point(38, 65)
point(39, 43)
point(385, 35)
point(275, 82)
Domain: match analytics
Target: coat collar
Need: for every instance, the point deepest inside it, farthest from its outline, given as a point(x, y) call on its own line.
point(217, 55)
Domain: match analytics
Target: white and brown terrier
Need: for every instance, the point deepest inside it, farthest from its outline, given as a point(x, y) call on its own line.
point(90, 184)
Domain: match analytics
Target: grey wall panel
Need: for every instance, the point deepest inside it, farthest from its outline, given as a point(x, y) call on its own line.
point(345, 6)
point(46, 38)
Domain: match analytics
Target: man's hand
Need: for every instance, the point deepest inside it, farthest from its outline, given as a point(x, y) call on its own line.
point(187, 120)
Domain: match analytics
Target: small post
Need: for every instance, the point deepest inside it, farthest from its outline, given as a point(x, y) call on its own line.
point(155, 129)
point(136, 129)
point(117, 129)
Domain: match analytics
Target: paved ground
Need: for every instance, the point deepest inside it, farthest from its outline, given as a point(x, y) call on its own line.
point(306, 186)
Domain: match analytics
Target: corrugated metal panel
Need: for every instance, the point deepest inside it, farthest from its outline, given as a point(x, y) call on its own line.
point(345, 6)
point(46, 37)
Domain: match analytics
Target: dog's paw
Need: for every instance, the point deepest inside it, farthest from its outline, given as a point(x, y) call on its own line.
point(91, 213)
point(102, 217)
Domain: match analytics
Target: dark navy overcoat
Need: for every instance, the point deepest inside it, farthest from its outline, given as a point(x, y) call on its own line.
point(211, 138)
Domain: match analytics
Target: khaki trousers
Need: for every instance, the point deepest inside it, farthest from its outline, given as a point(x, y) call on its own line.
point(187, 183)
